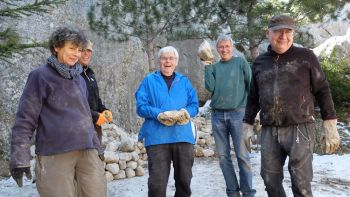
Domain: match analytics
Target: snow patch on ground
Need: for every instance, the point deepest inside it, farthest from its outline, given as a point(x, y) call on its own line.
point(331, 178)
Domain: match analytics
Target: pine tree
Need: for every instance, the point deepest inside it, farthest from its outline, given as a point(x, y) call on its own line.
point(10, 40)
point(246, 19)
point(145, 19)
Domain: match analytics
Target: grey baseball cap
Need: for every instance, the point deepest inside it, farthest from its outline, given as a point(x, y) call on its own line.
point(281, 22)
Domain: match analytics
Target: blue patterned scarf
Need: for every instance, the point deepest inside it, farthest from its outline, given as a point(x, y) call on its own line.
point(63, 69)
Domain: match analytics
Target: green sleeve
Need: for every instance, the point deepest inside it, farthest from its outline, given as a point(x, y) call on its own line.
point(209, 78)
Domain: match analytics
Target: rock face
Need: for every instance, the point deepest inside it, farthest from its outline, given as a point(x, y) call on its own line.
point(119, 68)
point(329, 27)
point(190, 65)
point(341, 45)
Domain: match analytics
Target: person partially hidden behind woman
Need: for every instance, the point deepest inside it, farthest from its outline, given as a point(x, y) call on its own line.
point(100, 114)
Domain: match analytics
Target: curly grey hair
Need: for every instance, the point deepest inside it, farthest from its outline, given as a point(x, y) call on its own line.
point(63, 34)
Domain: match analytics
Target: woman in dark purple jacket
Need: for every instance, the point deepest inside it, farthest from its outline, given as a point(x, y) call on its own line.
point(54, 103)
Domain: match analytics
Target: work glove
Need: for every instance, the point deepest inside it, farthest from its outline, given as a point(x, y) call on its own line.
point(17, 175)
point(108, 114)
point(205, 53)
point(257, 123)
point(330, 137)
point(248, 136)
point(101, 119)
point(183, 117)
point(168, 118)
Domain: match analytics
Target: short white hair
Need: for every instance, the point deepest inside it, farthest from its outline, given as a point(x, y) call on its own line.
point(224, 37)
point(168, 49)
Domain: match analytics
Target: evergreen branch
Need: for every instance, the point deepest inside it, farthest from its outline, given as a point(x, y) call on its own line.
point(7, 51)
point(38, 7)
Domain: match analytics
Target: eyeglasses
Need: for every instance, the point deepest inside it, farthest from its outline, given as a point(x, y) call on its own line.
point(288, 32)
point(224, 47)
point(168, 58)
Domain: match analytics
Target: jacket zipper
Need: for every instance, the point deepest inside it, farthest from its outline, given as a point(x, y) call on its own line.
point(276, 105)
point(86, 75)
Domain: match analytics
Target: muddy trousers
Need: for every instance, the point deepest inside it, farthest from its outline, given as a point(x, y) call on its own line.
point(159, 164)
point(297, 143)
point(72, 174)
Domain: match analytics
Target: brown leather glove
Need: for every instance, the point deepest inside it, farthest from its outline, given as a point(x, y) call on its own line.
point(108, 114)
point(168, 118)
point(330, 136)
point(17, 175)
point(183, 117)
point(205, 53)
point(101, 119)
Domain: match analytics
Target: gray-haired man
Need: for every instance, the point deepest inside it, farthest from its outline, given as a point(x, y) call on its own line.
point(228, 81)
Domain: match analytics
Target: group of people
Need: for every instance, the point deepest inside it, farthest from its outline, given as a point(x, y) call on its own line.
point(61, 102)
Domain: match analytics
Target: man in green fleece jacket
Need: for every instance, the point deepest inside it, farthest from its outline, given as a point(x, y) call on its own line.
point(228, 81)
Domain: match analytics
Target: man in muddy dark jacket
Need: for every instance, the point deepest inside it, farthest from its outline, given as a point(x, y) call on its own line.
point(285, 80)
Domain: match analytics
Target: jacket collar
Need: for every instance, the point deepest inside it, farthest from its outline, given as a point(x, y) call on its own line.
point(273, 53)
point(177, 75)
point(88, 69)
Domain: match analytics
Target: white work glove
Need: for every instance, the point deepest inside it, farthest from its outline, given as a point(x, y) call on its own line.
point(205, 53)
point(330, 137)
point(183, 117)
point(168, 118)
point(257, 123)
point(248, 135)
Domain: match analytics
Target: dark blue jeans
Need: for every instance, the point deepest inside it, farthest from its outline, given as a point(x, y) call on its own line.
point(228, 124)
point(297, 143)
point(159, 163)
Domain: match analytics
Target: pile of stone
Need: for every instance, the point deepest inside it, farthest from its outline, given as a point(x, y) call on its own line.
point(123, 156)
point(205, 144)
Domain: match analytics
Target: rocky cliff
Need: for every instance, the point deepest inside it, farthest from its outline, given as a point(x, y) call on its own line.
point(119, 68)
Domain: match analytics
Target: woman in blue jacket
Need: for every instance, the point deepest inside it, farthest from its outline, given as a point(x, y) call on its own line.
point(167, 100)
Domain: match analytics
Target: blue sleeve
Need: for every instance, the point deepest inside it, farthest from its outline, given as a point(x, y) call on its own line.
point(143, 102)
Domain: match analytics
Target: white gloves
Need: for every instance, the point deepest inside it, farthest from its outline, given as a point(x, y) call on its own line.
point(205, 53)
point(257, 123)
point(248, 136)
point(183, 117)
point(169, 118)
point(330, 136)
